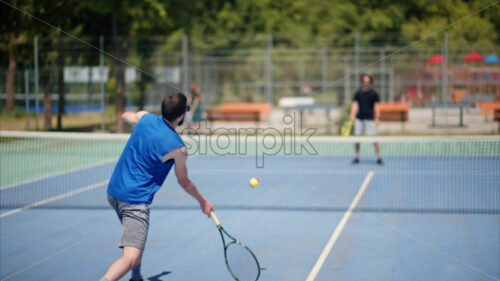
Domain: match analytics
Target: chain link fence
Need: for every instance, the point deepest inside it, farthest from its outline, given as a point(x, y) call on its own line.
point(258, 68)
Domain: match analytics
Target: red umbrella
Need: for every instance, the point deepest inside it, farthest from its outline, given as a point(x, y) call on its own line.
point(474, 56)
point(436, 59)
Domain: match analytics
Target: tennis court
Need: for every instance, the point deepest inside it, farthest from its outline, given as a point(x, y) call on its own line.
point(431, 212)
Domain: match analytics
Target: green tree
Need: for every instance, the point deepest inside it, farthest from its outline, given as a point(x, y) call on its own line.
point(127, 20)
point(14, 32)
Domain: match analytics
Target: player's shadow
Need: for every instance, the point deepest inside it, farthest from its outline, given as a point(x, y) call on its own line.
point(367, 163)
point(157, 277)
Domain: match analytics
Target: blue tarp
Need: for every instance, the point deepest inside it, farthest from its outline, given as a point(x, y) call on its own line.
point(491, 59)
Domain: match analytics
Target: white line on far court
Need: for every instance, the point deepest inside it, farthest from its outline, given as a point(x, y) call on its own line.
point(319, 263)
point(55, 198)
point(58, 174)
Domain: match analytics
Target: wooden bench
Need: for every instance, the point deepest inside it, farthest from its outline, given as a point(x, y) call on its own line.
point(394, 112)
point(496, 113)
point(239, 112)
point(488, 107)
point(491, 108)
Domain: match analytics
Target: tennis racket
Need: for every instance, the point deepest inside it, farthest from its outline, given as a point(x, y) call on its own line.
point(346, 129)
point(240, 260)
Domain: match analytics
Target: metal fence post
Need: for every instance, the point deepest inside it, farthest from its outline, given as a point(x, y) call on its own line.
point(101, 78)
point(35, 47)
point(27, 97)
point(302, 71)
point(90, 89)
point(324, 71)
point(392, 85)
point(445, 79)
point(269, 69)
point(383, 89)
point(392, 82)
point(347, 82)
point(185, 64)
point(206, 84)
point(356, 62)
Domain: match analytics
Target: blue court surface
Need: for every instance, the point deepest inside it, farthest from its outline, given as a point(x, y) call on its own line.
point(311, 218)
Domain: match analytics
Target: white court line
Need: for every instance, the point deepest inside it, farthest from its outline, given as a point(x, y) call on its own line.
point(59, 174)
point(52, 199)
point(319, 263)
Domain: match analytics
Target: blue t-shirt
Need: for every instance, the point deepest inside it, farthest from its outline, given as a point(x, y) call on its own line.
point(140, 173)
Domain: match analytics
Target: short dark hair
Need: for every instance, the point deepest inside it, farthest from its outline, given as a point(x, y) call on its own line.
point(367, 75)
point(173, 106)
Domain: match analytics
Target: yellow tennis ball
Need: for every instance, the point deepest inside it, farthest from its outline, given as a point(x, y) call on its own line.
point(254, 182)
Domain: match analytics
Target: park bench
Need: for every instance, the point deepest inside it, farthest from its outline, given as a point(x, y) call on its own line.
point(394, 112)
point(488, 108)
point(239, 112)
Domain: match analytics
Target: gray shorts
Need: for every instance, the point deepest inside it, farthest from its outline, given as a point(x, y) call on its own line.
point(134, 220)
point(366, 126)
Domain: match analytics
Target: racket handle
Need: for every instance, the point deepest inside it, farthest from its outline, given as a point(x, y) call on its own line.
point(214, 218)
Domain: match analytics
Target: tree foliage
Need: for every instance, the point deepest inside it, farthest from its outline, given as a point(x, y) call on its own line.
point(234, 23)
point(241, 18)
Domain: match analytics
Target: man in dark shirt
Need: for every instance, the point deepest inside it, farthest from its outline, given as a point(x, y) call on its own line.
point(365, 114)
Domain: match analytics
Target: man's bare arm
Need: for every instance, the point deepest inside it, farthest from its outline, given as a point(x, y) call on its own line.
point(180, 156)
point(354, 110)
point(133, 117)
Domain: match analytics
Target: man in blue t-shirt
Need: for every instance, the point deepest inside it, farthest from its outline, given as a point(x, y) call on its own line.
point(365, 114)
point(151, 151)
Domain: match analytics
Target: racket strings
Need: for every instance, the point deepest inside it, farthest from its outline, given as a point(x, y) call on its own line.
point(241, 262)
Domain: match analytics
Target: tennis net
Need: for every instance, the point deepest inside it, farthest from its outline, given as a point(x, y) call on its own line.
point(420, 174)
